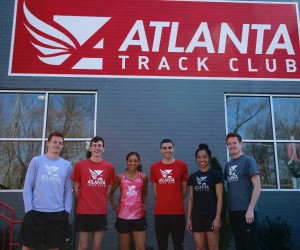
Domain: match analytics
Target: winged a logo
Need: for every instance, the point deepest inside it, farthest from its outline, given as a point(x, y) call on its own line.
point(200, 180)
point(232, 169)
point(166, 173)
point(56, 46)
point(131, 188)
point(51, 170)
point(96, 173)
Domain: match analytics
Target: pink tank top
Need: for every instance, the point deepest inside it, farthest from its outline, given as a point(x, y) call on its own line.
point(131, 201)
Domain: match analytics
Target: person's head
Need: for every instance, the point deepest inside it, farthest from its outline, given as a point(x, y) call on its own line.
point(133, 160)
point(96, 147)
point(55, 143)
point(55, 133)
point(167, 148)
point(203, 156)
point(234, 135)
point(234, 144)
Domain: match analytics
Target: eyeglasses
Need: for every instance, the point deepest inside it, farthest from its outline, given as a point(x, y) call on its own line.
point(165, 148)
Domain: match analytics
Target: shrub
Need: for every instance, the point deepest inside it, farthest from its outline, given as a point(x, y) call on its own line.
point(275, 234)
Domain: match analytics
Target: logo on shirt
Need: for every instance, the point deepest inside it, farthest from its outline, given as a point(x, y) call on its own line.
point(52, 174)
point(232, 176)
point(131, 191)
point(97, 179)
point(202, 186)
point(166, 177)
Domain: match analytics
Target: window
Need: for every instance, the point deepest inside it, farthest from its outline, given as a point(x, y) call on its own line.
point(270, 128)
point(26, 120)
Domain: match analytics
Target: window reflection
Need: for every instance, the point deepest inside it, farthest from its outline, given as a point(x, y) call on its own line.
point(263, 153)
point(15, 157)
point(249, 116)
point(73, 151)
point(72, 114)
point(289, 165)
point(21, 115)
point(287, 118)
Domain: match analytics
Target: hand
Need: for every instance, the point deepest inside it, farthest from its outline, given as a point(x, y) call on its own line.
point(216, 225)
point(116, 208)
point(189, 226)
point(249, 216)
point(144, 208)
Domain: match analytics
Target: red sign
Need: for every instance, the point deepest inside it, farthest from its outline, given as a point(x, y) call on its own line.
point(151, 38)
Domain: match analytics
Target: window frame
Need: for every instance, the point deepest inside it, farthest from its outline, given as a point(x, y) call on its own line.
point(44, 138)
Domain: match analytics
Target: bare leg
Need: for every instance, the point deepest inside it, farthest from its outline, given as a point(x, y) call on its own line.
point(139, 240)
point(97, 237)
point(213, 240)
point(26, 248)
point(124, 241)
point(200, 241)
point(83, 242)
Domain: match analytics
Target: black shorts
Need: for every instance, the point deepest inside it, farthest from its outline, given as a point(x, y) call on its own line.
point(202, 223)
point(90, 222)
point(51, 229)
point(127, 226)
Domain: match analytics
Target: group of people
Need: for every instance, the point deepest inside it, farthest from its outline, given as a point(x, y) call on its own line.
point(48, 198)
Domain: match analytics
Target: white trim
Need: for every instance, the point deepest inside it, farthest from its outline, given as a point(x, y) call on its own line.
point(224, 1)
point(159, 77)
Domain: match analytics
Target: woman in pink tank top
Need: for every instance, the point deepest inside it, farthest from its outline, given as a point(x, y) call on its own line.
point(132, 205)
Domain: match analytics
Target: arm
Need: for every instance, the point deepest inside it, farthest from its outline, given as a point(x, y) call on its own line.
point(111, 192)
point(254, 198)
point(29, 186)
point(154, 187)
point(145, 192)
point(292, 147)
point(76, 187)
point(68, 191)
point(184, 189)
point(189, 210)
point(217, 221)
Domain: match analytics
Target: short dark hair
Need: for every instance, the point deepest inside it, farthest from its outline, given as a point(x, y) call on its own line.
point(234, 135)
point(55, 133)
point(94, 139)
point(166, 141)
point(204, 147)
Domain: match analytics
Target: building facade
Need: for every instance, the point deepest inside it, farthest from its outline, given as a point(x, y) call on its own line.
point(135, 112)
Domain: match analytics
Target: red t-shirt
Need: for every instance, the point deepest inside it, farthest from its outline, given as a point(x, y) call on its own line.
point(169, 178)
point(93, 178)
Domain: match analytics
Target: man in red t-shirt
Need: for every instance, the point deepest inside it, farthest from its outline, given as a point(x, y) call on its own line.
point(93, 179)
point(169, 182)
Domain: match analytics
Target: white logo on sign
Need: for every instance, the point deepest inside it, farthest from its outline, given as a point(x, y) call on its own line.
point(56, 47)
